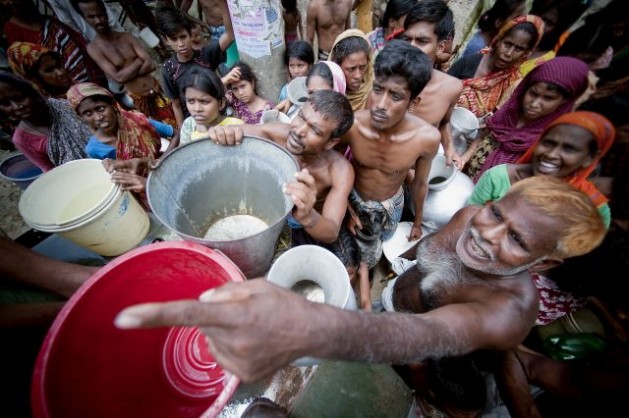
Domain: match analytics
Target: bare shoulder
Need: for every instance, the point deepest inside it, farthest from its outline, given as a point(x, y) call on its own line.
point(421, 128)
point(96, 47)
point(313, 7)
point(338, 164)
point(448, 85)
point(341, 172)
point(127, 37)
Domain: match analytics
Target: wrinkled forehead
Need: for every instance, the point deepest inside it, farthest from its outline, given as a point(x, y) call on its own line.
point(537, 225)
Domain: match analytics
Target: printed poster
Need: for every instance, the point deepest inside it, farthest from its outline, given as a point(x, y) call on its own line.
point(258, 26)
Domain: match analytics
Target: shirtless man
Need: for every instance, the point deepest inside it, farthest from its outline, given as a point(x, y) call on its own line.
point(212, 15)
point(386, 141)
point(478, 293)
point(428, 26)
point(322, 187)
point(327, 18)
point(326, 178)
point(124, 60)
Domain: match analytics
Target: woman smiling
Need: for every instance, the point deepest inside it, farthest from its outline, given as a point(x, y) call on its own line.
point(570, 148)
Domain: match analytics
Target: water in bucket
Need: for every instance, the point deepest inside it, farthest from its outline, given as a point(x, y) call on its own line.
point(79, 201)
point(235, 227)
point(228, 198)
point(318, 275)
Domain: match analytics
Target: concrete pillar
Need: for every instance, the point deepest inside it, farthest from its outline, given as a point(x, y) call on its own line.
point(259, 31)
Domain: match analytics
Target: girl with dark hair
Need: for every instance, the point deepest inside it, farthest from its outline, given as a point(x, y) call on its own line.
point(241, 94)
point(490, 22)
point(391, 23)
point(298, 58)
point(204, 95)
point(48, 133)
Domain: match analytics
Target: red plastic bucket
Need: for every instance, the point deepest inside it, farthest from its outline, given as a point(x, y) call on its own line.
point(89, 368)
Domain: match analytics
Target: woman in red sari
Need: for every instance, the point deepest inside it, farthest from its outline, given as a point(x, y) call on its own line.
point(490, 76)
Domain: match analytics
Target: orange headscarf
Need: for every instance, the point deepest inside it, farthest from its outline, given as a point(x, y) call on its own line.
point(482, 95)
point(535, 20)
point(602, 130)
point(23, 56)
point(137, 138)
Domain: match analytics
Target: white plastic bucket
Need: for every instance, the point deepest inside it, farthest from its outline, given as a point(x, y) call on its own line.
point(149, 37)
point(78, 201)
point(273, 116)
point(318, 275)
point(297, 91)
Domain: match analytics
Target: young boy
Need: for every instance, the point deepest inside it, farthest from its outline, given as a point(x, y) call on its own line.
point(177, 29)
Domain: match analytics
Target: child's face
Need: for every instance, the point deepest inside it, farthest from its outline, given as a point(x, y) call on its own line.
point(243, 90)
point(181, 43)
point(202, 107)
point(297, 67)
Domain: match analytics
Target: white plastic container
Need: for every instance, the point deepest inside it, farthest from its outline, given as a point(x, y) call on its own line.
point(78, 201)
point(318, 275)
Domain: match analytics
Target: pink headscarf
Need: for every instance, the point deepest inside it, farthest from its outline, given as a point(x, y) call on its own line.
point(337, 76)
point(569, 73)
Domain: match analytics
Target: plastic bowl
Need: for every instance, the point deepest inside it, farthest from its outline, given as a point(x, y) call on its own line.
point(274, 116)
point(89, 368)
point(297, 91)
point(19, 170)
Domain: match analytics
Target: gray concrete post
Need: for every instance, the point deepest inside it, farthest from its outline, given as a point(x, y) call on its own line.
point(259, 32)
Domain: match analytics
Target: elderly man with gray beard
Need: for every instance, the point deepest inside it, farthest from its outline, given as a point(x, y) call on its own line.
point(481, 298)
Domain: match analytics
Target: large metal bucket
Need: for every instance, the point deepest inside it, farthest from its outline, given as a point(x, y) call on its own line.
point(201, 182)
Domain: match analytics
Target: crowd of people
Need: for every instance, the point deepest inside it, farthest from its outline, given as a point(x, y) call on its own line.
point(481, 297)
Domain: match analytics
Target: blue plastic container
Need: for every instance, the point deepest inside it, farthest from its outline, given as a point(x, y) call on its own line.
point(19, 170)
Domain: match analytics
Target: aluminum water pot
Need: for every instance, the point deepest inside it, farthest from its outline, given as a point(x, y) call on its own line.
point(448, 191)
point(201, 182)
